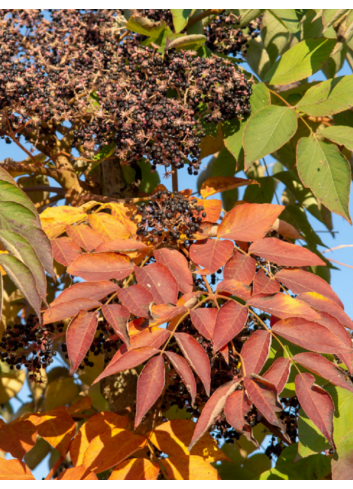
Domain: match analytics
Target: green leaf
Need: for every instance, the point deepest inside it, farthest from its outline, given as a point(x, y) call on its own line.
point(311, 468)
point(324, 170)
point(198, 27)
point(263, 194)
point(260, 97)
point(35, 456)
point(19, 247)
point(311, 440)
point(329, 97)
point(247, 15)
point(145, 26)
point(60, 392)
point(312, 27)
point(224, 165)
point(330, 16)
point(258, 58)
point(341, 135)
point(192, 41)
point(344, 118)
point(274, 35)
point(268, 130)
point(287, 17)
point(150, 179)
point(180, 18)
point(22, 277)
point(301, 61)
point(335, 62)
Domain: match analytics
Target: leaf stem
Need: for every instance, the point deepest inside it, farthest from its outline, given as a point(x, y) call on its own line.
point(293, 108)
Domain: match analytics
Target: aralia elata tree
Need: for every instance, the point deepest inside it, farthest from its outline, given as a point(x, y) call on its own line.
point(187, 328)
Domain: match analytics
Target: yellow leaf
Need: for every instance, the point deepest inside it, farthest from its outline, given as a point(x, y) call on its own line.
point(136, 469)
point(95, 426)
point(60, 392)
point(55, 219)
point(174, 437)
point(10, 383)
point(189, 468)
point(108, 227)
point(215, 185)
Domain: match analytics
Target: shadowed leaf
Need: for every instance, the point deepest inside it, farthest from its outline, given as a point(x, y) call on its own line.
point(278, 373)
point(150, 386)
point(17, 438)
point(182, 368)
point(65, 310)
point(118, 318)
point(214, 185)
point(135, 469)
point(236, 408)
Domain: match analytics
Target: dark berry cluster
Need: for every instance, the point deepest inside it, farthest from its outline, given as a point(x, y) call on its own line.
point(29, 345)
point(224, 34)
point(75, 69)
point(158, 15)
point(169, 216)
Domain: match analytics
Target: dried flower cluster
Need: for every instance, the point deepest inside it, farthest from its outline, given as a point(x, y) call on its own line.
point(73, 68)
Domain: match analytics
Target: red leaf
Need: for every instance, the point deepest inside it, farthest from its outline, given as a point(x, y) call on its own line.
point(309, 335)
point(131, 359)
point(196, 358)
point(241, 268)
point(249, 222)
point(79, 337)
point(101, 266)
point(278, 373)
point(118, 318)
point(340, 332)
point(178, 265)
point(211, 255)
point(236, 408)
point(182, 368)
point(158, 280)
point(150, 386)
point(165, 313)
point(204, 321)
point(225, 353)
point(235, 288)
point(136, 299)
point(283, 306)
point(264, 284)
point(68, 310)
point(231, 319)
point(264, 395)
point(84, 237)
point(322, 304)
point(324, 368)
point(212, 410)
point(300, 282)
point(121, 246)
point(286, 254)
point(65, 250)
point(86, 290)
point(255, 352)
point(316, 403)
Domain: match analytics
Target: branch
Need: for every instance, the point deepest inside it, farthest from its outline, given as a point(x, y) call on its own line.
point(44, 188)
point(45, 202)
point(203, 15)
point(23, 167)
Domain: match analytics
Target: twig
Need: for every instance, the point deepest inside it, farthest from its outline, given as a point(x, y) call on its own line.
point(291, 107)
point(45, 202)
point(203, 15)
point(175, 182)
point(340, 263)
point(44, 188)
point(337, 248)
point(55, 468)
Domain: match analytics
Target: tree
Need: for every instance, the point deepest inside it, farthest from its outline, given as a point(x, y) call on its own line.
point(188, 328)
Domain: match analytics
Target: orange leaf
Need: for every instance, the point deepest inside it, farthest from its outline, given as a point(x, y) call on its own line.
point(84, 237)
point(118, 318)
point(111, 448)
point(158, 280)
point(231, 320)
point(79, 406)
point(66, 310)
point(108, 227)
point(79, 337)
point(136, 299)
point(65, 250)
point(174, 438)
point(283, 306)
point(189, 468)
point(17, 438)
point(77, 474)
point(211, 255)
point(241, 268)
point(56, 427)
point(286, 230)
point(14, 470)
point(95, 426)
point(121, 246)
point(150, 386)
point(249, 222)
point(214, 185)
point(136, 469)
point(286, 254)
point(94, 291)
point(101, 266)
point(300, 282)
point(213, 209)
